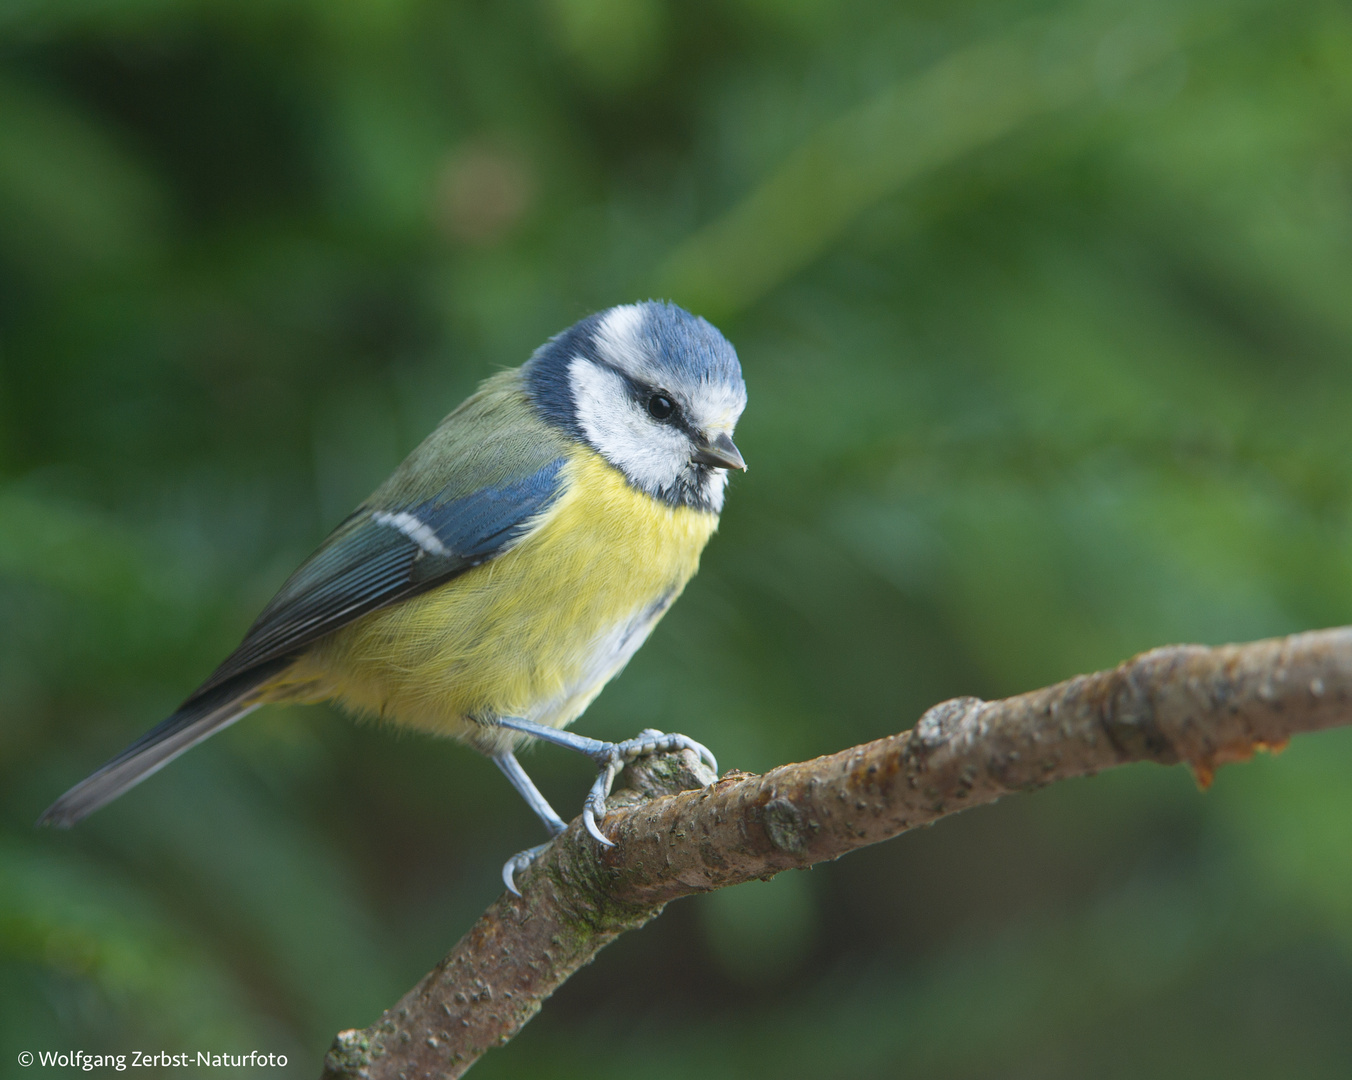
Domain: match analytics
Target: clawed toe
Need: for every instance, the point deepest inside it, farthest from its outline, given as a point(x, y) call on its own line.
point(650, 741)
point(595, 805)
point(610, 758)
point(589, 820)
point(615, 756)
point(519, 862)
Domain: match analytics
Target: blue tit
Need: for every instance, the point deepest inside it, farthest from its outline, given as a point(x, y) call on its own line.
point(509, 567)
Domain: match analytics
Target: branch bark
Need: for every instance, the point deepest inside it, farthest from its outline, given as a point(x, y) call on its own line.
point(1186, 703)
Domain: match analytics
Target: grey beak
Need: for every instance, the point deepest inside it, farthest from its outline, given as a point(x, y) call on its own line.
point(721, 453)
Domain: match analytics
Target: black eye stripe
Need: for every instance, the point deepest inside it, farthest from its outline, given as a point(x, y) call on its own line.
point(645, 395)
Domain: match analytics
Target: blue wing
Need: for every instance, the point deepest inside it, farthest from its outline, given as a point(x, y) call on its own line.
point(380, 556)
point(474, 487)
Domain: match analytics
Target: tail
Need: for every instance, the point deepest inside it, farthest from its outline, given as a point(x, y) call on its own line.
point(201, 716)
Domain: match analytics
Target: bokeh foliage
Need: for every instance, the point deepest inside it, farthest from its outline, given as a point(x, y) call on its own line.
point(1046, 315)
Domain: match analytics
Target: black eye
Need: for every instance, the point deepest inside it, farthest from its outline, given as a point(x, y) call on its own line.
point(661, 407)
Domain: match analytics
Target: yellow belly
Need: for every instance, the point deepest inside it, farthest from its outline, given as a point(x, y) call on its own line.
point(535, 633)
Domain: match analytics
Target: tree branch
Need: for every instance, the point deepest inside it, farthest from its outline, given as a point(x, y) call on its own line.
point(1187, 703)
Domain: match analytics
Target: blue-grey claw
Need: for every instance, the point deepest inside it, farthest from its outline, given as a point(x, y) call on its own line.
point(589, 819)
point(705, 754)
point(610, 759)
point(652, 741)
point(519, 862)
point(596, 798)
point(614, 758)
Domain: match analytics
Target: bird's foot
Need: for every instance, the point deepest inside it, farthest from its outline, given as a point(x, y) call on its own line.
point(612, 757)
point(519, 862)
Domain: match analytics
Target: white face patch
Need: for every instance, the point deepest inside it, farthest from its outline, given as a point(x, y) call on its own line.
point(652, 455)
point(610, 390)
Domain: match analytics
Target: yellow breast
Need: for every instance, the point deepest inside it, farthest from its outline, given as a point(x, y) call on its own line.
point(535, 633)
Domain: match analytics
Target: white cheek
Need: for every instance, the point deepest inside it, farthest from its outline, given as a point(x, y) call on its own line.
point(651, 455)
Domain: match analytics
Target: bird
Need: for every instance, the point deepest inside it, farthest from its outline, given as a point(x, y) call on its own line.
point(507, 570)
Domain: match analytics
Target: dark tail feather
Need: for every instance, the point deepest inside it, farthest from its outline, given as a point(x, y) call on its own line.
point(196, 719)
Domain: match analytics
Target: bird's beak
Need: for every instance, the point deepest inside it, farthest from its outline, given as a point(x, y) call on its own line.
point(720, 452)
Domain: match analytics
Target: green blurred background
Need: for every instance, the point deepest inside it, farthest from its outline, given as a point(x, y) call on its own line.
point(1046, 315)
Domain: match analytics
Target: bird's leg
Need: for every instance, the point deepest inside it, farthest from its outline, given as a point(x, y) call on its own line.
point(610, 757)
point(525, 786)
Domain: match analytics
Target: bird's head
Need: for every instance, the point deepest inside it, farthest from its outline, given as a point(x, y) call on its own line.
point(654, 390)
